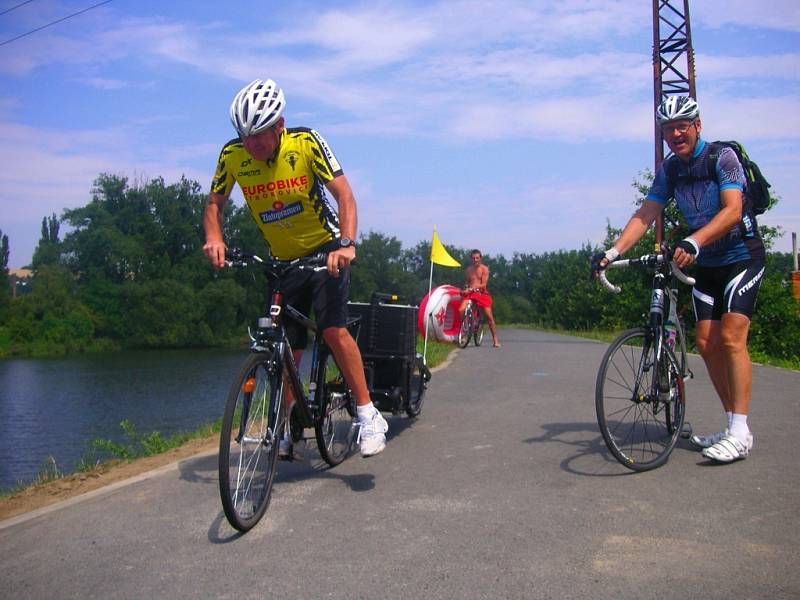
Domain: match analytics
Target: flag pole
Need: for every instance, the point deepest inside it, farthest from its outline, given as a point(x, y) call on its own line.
point(427, 317)
point(440, 256)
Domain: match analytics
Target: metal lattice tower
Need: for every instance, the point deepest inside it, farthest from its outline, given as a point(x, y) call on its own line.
point(673, 65)
point(673, 58)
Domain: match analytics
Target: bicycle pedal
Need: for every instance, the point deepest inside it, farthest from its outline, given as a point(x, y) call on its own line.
point(686, 430)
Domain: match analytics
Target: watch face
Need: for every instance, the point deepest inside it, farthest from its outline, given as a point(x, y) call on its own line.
point(345, 242)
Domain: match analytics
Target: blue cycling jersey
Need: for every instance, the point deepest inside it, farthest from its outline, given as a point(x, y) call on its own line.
point(698, 200)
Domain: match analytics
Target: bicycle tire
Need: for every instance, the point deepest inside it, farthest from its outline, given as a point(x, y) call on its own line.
point(639, 430)
point(680, 349)
point(418, 383)
point(333, 426)
point(248, 448)
point(465, 332)
point(479, 330)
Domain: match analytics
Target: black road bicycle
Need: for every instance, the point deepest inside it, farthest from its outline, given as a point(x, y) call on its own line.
point(639, 396)
point(471, 326)
point(256, 411)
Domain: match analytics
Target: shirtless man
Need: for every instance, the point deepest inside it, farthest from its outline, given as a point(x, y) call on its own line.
point(477, 278)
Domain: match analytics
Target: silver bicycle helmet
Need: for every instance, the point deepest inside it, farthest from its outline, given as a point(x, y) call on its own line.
point(677, 108)
point(257, 107)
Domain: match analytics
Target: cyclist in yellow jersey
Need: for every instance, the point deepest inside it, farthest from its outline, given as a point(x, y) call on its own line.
point(284, 174)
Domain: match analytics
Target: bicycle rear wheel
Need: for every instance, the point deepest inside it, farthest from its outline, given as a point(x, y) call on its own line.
point(248, 446)
point(640, 422)
point(420, 376)
point(334, 424)
point(479, 328)
point(466, 329)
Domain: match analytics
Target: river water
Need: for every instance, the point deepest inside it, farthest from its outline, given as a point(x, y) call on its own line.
point(55, 407)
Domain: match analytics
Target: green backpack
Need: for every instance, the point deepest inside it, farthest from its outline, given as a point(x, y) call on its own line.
point(757, 196)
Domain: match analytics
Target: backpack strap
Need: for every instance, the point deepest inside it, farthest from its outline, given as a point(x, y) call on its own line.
point(714, 150)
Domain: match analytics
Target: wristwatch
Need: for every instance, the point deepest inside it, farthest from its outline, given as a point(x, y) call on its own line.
point(346, 242)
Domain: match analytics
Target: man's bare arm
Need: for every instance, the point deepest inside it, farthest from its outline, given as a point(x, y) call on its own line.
point(341, 191)
point(215, 247)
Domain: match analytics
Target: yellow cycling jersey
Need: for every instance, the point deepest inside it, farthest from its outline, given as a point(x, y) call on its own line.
point(286, 195)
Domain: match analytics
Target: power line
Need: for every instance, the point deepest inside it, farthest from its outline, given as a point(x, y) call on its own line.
point(80, 12)
point(8, 10)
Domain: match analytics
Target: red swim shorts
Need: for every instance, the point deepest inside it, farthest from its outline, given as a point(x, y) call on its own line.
point(482, 299)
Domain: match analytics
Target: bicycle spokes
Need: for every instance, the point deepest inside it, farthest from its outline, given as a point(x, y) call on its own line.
point(639, 401)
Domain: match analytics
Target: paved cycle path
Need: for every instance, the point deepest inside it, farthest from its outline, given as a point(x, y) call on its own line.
point(501, 489)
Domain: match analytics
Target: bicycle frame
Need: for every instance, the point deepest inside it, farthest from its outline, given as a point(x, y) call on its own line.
point(271, 335)
point(664, 290)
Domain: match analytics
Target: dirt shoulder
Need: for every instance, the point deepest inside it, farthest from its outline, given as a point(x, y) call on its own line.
point(40, 496)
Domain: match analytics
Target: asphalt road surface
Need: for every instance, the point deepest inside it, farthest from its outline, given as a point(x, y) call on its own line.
point(502, 488)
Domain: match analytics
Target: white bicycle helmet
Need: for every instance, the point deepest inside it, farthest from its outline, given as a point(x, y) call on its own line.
point(257, 107)
point(677, 108)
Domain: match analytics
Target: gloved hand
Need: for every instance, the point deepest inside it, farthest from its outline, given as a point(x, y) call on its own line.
point(601, 260)
point(686, 252)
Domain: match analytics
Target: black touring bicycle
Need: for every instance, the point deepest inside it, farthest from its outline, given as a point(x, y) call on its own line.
point(256, 415)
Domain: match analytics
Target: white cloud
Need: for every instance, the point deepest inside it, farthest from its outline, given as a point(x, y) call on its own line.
point(781, 15)
point(531, 219)
point(776, 118)
point(46, 171)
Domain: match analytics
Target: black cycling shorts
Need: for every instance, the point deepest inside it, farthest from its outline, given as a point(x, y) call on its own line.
point(327, 294)
point(728, 289)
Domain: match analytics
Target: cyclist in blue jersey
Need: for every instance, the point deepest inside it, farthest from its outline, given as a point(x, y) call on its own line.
point(728, 254)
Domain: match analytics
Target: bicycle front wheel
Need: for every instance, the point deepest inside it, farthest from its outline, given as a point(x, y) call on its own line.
point(248, 446)
point(466, 330)
point(334, 424)
point(639, 401)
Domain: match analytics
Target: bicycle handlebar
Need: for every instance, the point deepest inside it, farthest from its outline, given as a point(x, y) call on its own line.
point(315, 262)
point(648, 260)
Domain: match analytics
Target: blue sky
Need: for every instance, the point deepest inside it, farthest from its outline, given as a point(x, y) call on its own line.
point(515, 126)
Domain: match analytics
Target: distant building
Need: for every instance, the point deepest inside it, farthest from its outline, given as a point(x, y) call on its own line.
point(19, 280)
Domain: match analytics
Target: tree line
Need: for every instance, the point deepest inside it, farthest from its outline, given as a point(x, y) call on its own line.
point(129, 272)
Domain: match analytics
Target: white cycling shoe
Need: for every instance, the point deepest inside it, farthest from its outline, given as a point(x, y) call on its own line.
point(729, 449)
point(372, 435)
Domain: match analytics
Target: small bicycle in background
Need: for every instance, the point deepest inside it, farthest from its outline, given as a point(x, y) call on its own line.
point(256, 413)
point(639, 396)
point(472, 325)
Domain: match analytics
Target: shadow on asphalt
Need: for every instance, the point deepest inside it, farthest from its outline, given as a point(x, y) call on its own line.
point(204, 470)
point(594, 447)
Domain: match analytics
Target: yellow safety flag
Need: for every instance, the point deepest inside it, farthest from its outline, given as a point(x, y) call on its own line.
point(439, 255)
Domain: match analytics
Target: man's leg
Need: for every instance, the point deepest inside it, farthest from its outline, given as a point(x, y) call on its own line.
point(710, 346)
point(738, 370)
point(463, 308)
point(285, 450)
point(348, 357)
point(492, 328)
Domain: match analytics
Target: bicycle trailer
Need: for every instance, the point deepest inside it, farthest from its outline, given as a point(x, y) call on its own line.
point(396, 375)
